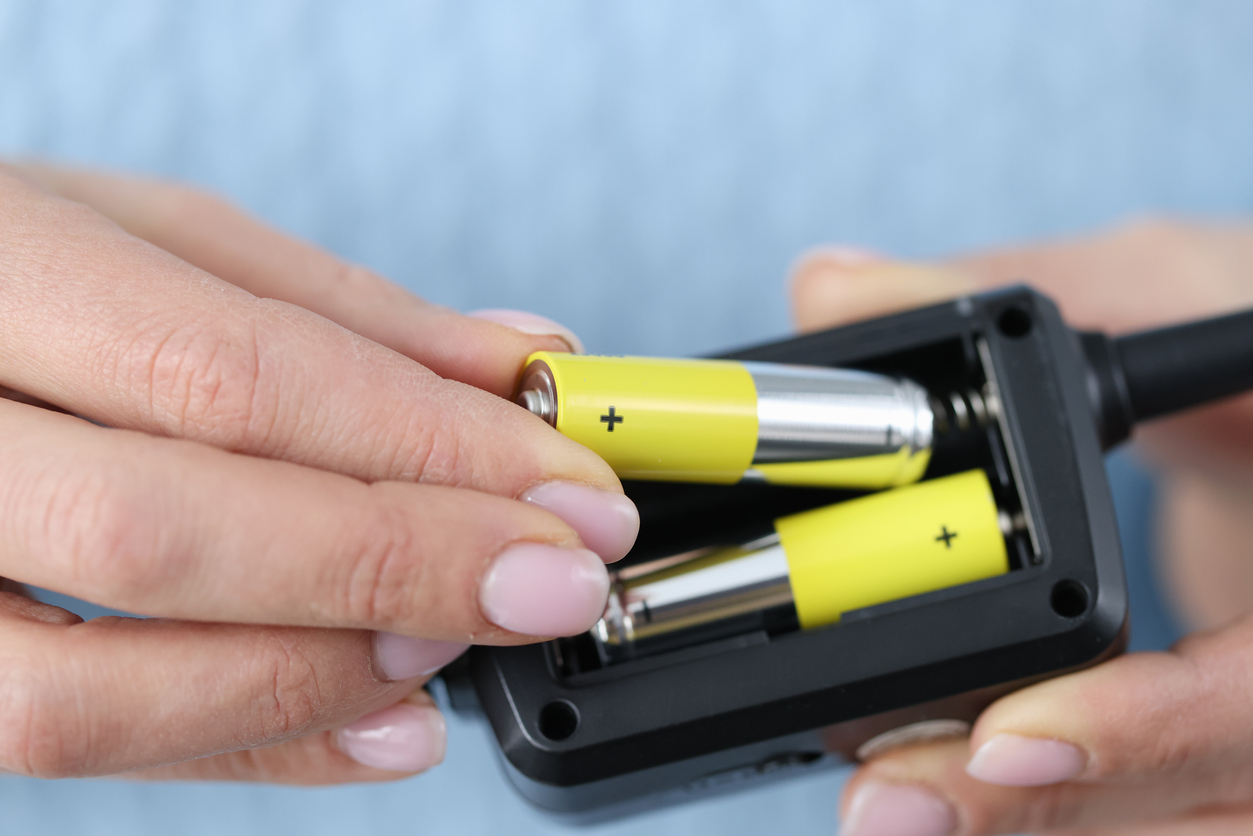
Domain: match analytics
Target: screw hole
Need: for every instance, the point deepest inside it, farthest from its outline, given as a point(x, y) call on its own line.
point(558, 720)
point(1014, 322)
point(1069, 599)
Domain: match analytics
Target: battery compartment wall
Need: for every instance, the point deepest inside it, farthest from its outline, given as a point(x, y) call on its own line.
point(682, 517)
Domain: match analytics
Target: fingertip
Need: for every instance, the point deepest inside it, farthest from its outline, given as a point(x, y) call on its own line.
point(396, 657)
point(409, 736)
point(529, 323)
point(836, 285)
point(818, 293)
point(846, 256)
point(537, 589)
point(881, 808)
point(807, 284)
point(606, 521)
point(1013, 760)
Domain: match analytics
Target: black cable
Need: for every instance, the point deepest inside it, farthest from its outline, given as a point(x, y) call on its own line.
point(1141, 376)
point(1175, 368)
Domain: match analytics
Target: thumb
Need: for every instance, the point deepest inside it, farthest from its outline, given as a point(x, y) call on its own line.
point(1145, 736)
point(837, 285)
point(1135, 717)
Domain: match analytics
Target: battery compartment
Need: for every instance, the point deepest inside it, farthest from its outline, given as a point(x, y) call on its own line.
point(678, 518)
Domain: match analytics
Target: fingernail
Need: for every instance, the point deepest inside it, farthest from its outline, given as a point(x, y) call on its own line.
point(882, 809)
point(402, 657)
point(542, 590)
point(402, 738)
point(844, 256)
point(529, 323)
point(1016, 761)
point(606, 522)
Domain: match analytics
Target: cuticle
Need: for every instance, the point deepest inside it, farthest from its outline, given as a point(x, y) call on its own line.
point(563, 480)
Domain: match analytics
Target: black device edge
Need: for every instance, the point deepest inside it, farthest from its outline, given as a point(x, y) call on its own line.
point(1099, 635)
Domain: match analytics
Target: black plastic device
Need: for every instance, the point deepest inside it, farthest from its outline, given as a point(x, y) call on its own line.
point(591, 740)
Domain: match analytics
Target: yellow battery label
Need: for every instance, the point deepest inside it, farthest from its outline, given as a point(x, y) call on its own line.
point(869, 472)
point(892, 545)
point(661, 419)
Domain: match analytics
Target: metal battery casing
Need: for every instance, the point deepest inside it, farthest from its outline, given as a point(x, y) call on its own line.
point(721, 421)
point(666, 596)
point(825, 562)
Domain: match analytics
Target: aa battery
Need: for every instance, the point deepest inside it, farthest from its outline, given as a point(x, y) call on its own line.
point(722, 421)
point(825, 562)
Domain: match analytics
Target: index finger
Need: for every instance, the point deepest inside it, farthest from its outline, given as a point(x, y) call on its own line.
point(119, 331)
point(211, 234)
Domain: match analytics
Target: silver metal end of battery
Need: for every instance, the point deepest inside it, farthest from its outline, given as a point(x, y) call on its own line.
point(807, 413)
point(665, 596)
point(538, 392)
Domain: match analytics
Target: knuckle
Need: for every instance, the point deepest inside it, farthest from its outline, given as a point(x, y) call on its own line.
point(1044, 808)
point(290, 700)
point(206, 380)
point(439, 456)
point(99, 536)
point(446, 448)
point(40, 732)
point(379, 584)
point(1167, 739)
point(1165, 757)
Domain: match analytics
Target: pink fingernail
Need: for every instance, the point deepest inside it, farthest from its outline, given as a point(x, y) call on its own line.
point(606, 522)
point(542, 590)
point(529, 323)
point(403, 657)
point(402, 738)
point(1016, 761)
point(850, 256)
point(882, 809)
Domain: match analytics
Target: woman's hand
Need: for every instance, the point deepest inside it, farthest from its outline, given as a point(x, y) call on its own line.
point(291, 462)
point(1151, 743)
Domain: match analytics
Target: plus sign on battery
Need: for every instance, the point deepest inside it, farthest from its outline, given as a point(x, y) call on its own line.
point(946, 536)
point(611, 419)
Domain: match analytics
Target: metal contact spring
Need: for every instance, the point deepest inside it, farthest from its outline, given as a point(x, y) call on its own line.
point(961, 411)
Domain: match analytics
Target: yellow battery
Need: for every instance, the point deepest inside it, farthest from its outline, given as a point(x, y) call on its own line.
point(826, 562)
point(721, 421)
point(883, 470)
point(689, 420)
point(892, 545)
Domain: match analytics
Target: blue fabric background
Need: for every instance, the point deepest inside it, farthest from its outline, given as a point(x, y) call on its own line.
point(645, 172)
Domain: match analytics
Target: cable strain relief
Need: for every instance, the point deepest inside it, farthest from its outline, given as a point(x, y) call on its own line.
point(1107, 389)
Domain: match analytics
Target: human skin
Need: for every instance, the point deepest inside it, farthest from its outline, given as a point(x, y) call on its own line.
point(310, 478)
point(1148, 743)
